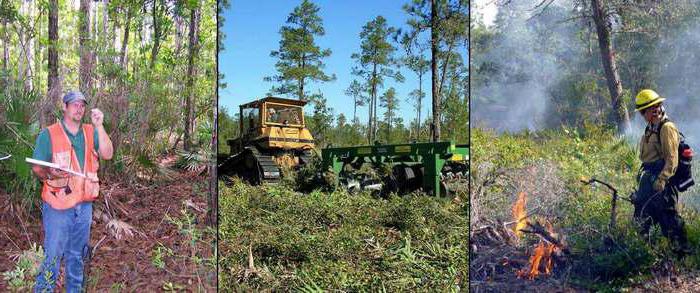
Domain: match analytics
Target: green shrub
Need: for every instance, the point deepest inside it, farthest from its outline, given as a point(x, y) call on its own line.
point(22, 276)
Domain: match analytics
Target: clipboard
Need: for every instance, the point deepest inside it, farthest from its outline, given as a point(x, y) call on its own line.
point(54, 166)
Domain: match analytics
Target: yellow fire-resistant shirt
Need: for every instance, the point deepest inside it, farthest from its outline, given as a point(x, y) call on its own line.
point(664, 146)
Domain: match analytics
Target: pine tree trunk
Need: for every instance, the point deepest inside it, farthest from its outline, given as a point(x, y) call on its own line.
point(301, 80)
point(620, 115)
point(28, 82)
point(373, 108)
point(38, 50)
point(85, 54)
point(54, 82)
point(105, 23)
point(434, 69)
point(125, 39)
point(5, 46)
point(388, 130)
point(212, 198)
point(92, 13)
point(354, 111)
point(420, 99)
point(156, 35)
point(112, 25)
point(189, 103)
point(21, 49)
point(178, 33)
point(369, 121)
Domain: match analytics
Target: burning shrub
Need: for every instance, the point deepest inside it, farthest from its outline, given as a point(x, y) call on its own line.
point(536, 176)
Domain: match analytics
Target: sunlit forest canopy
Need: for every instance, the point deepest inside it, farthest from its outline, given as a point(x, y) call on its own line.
point(149, 65)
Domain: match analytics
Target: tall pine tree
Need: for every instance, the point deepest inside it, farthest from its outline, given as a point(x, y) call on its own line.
point(388, 101)
point(355, 90)
point(299, 58)
point(375, 62)
point(447, 22)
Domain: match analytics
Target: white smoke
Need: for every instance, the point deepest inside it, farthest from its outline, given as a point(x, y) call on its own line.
point(678, 69)
point(678, 81)
point(529, 53)
point(679, 63)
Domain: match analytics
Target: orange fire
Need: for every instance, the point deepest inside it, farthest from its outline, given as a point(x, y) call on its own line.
point(541, 260)
point(542, 256)
point(519, 214)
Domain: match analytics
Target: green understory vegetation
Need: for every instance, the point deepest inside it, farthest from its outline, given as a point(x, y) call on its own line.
point(601, 258)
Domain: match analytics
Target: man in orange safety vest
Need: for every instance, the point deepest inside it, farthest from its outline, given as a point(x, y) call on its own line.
point(67, 198)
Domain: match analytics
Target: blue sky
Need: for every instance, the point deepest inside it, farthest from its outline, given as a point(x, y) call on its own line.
point(252, 32)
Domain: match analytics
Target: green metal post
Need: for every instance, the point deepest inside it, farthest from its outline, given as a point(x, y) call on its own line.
point(432, 165)
point(330, 159)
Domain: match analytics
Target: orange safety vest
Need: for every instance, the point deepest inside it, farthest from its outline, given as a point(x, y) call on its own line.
point(66, 193)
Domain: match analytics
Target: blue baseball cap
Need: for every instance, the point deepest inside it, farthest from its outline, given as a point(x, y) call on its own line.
point(73, 96)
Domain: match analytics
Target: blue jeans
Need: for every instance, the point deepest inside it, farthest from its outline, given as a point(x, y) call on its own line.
point(66, 236)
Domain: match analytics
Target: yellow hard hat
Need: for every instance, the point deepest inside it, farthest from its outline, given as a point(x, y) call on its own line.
point(647, 98)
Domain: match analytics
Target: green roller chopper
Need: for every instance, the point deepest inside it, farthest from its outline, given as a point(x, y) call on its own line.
point(430, 166)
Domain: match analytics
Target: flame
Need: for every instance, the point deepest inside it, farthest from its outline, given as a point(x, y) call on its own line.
point(541, 261)
point(541, 257)
point(519, 214)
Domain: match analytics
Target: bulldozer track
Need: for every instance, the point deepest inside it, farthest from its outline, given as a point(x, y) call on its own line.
point(269, 169)
point(252, 166)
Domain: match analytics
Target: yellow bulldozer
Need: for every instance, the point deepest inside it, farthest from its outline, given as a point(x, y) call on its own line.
point(273, 135)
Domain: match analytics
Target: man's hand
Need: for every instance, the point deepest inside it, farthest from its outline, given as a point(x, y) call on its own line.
point(659, 184)
point(106, 149)
point(58, 174)
point(97, 117)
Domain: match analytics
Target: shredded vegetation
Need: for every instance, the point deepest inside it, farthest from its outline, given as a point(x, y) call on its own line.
point(273, 238)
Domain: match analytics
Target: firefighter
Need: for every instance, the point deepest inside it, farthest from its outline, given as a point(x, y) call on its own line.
point(655, 201)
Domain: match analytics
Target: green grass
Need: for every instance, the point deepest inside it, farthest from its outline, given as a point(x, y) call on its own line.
point(336, 241)
point(591, 152)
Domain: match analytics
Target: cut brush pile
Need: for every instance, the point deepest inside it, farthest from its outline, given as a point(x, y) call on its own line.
point(530, 183)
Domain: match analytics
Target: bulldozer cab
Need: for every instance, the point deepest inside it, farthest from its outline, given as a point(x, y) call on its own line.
point(273, 135)
point(283, 115)
point(271, 111)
